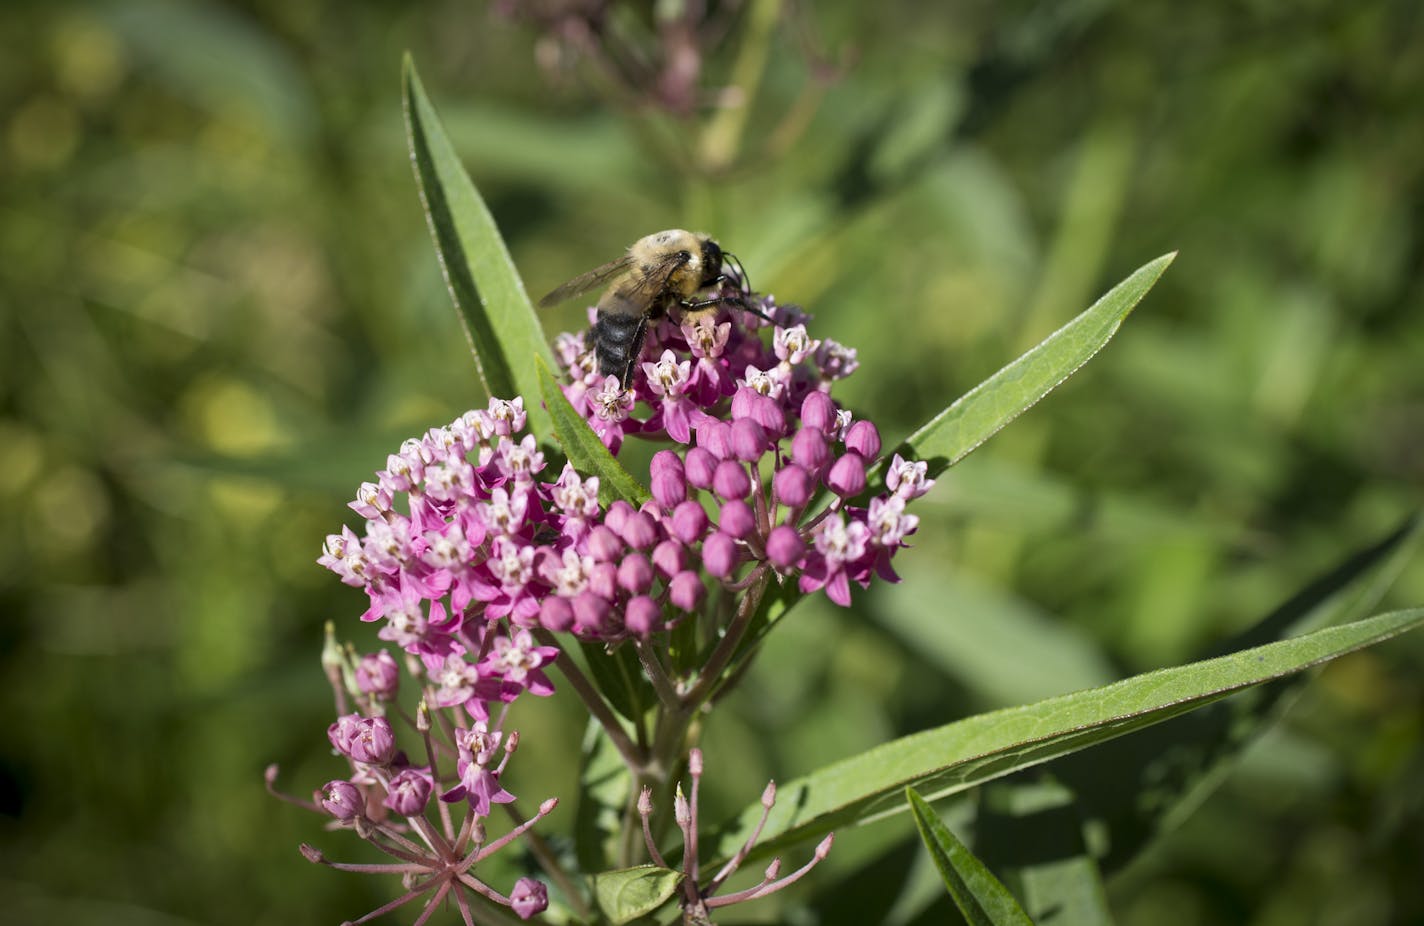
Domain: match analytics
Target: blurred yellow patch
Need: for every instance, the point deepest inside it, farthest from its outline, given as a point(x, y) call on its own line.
point(230, 417)
point(43, 133)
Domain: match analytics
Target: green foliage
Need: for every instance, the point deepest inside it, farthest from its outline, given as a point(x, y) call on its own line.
point(628, 893)
point(221, 314)
point(980, 896)
point(583, 447)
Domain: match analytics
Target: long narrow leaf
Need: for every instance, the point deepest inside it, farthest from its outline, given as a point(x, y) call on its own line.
point(499, 321)
point(980, 896)
point(968, 752)
point(583, 448)
point(979, 414)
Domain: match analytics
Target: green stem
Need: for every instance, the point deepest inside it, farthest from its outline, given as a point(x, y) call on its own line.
point(632, 755)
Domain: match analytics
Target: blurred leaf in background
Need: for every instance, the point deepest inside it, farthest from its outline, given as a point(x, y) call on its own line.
point(221, 310)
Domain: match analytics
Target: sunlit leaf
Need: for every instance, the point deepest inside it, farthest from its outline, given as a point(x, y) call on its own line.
point(968, 752)
point(583, 447)
point(628, 893)
point(504, 333)
point(979, 895)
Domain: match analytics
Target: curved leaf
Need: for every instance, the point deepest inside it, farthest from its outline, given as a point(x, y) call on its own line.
point(979, 895)
point(503, 332)
point(979, 414)
point(968, 752)
point(583, 447)
point(628, 893)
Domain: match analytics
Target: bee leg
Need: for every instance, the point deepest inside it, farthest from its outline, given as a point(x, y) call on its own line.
point(688, 305)
point(635, 352)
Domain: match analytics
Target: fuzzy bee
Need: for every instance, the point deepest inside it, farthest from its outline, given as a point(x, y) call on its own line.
point(664, 270)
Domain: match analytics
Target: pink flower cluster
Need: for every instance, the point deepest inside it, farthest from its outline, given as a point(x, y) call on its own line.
point(762, 437)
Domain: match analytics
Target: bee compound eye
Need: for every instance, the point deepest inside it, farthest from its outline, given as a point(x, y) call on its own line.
point(685, 256)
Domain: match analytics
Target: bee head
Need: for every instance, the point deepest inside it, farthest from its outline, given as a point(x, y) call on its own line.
point(711, 261)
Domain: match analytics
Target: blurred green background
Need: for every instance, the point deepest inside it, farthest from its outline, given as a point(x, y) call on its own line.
point(222, 309)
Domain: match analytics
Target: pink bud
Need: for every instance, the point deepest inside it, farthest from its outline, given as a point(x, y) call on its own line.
point(793, 485)
point(714, 436)
point(635, 573)
point(603, 581)
point(864, 439)
point(556, 614)
point(408, 793)
point(737, 519)
point(701, 464)
point(847, 476)
point(642, 616)
point(669, 487)
point(818, 411)
point(719, 555)
point(640, 530)
point(617, 515)
point(742, 401)
point(685, 590)
point(767, 412)
point(784, 547)
point(665, 461)
point(689, 522)
point(668, 557)
point(377, 674)
point(529, 898)
point(590, 612)
point(645, 801)
point(694, 762)
point(731, 480)
point(604, 545)
point(810, 449)
point(342, 800)
point(748, 440)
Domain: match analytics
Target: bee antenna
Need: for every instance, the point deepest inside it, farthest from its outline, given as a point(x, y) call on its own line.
point(736, 262)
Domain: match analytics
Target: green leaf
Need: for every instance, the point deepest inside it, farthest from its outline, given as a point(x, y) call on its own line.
point(1138, 786)
point(979, 414)
point(583, 447)
point(1028, 829)
point(968, 752)
point(628, 893)
point(979, 895)
point(619, 677)
point(503, 332)
point(604, 783)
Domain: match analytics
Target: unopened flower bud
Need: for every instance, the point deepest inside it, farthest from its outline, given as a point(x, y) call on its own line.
point(681, 810)
point(342, 800)
point(731, 480)
point(714, 437)
point(719, 555)
point(556, 614)
point(669, 486)
point(773, 869)
point(748, 440)
point(642, 616)
point(685, 590)
point(604, 545)
point(408, 793)
point(377, 674)
point(616, 515)
point(793, 485)
point(847, 476)
point(810, 449)
point(640, 530)
point(701, 464)
point(694, 762)
point(736, 519)
point(590, 612)
point(818, 411)
point(742, 401)
point(529, 898)
point(689, 522)
point(665, 461)
point(635, 573)
point(784, 547)
point(645, 801)
point(864, 439)
point(603, 581)
point(767, 413)
point(669, 558)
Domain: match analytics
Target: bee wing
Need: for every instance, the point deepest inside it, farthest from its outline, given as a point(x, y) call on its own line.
point(595, 278)
point(650, 285)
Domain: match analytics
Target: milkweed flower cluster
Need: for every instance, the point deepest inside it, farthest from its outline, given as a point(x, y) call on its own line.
point(761, 439)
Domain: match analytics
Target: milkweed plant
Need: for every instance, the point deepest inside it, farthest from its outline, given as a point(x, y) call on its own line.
point(509, 554)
